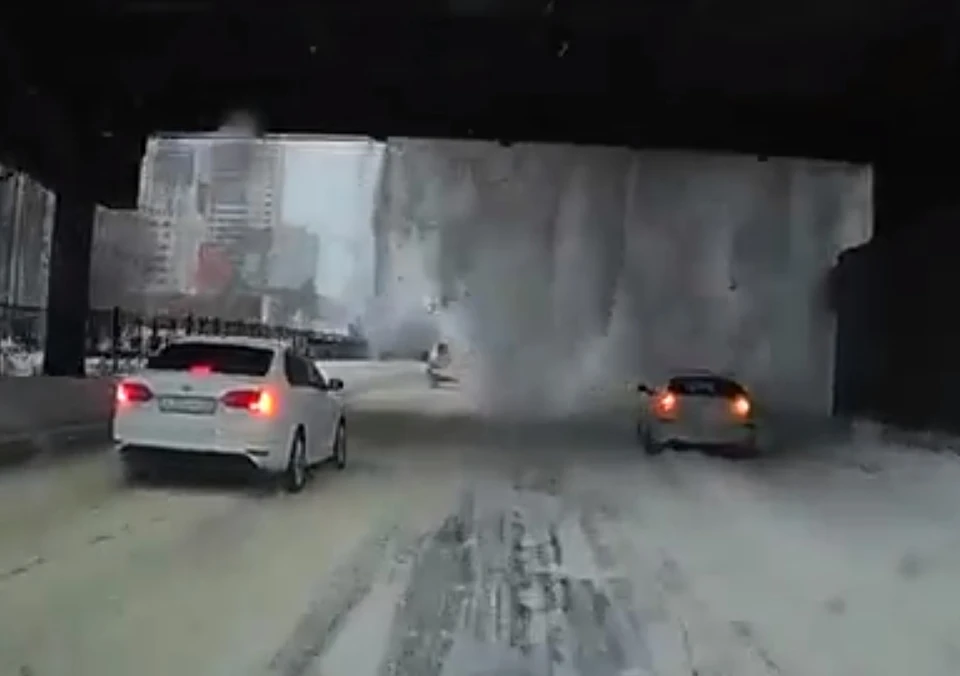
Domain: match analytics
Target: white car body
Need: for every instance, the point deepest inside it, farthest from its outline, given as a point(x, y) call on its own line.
point(699, 408)
point(192, 411)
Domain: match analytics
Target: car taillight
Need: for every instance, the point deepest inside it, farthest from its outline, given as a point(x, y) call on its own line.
point(740, 406)
point(133, 393)
point(666, 403)
point(260, 402)
point(201, 370)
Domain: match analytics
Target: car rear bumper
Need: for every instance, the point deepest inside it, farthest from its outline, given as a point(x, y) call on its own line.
point(725, 437)
point(185, 439)
point(159, 455)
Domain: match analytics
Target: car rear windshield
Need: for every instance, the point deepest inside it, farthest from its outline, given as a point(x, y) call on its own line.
point(705, 386)
point(234, 360)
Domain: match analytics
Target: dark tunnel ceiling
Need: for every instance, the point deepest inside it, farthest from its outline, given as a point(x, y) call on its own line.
point(856, 80)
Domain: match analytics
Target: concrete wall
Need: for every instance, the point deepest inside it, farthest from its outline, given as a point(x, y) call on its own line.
point(52, 416)
point(579, 266)
point(44, 403)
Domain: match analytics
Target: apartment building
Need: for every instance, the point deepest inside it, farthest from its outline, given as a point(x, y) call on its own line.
point(241, 197)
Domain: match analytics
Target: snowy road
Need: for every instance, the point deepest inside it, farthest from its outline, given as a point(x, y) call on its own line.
point(451, 547)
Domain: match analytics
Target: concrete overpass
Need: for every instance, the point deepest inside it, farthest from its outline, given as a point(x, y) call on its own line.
point(459, 542)
point(855, 81)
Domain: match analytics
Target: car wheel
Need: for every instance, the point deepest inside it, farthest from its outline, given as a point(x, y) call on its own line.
point(751, 449)
point(340, 445)
point(650, 445)
point(295, 476)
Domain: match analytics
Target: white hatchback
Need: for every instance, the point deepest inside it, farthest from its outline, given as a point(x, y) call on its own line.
point(699, 408)
point(250, 402)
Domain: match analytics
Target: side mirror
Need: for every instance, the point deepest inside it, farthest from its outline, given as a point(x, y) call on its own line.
point(334, 384)
point(644, 389)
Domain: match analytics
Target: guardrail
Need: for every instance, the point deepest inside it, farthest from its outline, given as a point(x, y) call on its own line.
point(117, 339)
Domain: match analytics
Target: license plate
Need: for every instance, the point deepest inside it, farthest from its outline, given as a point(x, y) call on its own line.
point(192, 405)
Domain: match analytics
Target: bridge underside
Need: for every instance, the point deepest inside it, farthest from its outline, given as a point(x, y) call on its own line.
point(828, 79)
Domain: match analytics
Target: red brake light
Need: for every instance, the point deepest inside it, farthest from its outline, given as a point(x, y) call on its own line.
point(666, 403)
point(264, 404)
point(133, 393)
point(260, 402)
point(740, 406)
point(201, 369)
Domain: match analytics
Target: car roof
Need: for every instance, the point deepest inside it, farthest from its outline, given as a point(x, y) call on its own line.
point(679, 373)
point(240, 341)
point(703, 373)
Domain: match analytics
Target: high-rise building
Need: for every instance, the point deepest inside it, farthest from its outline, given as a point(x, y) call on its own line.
point(215, 201)
point(26, 229)
point(241, 197)
point(169, 177)
point(171, 196)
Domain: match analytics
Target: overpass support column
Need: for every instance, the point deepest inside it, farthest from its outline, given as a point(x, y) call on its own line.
point(69, 287)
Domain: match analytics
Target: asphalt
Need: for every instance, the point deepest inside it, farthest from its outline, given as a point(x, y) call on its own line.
point(460, 544)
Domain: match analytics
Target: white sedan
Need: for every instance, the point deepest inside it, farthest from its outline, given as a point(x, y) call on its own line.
point(250, 402)
point(699, 408)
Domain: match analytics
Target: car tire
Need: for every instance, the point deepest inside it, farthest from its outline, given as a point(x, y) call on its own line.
point(340, 445)
point(650, 445)
point(295, 476)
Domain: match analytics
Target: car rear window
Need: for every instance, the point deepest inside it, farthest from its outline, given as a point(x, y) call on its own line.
point(234, 360)
point(705, 386)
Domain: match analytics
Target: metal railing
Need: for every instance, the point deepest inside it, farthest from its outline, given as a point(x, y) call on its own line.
point(119, 341)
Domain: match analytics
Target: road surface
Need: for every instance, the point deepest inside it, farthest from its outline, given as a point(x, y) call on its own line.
point(456, 546)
